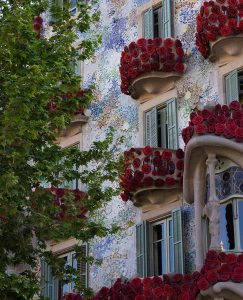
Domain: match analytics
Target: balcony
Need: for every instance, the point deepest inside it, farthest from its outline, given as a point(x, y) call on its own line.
point(220, 278)
point(220, 30)
point(216, 129)
point(66, 209)
point(151, 66)
point(152, 175)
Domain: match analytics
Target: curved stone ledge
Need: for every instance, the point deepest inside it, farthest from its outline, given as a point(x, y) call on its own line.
point(195, 158)
point(147, 85)
point(225, 47)
point(224, 291)
point(155, 195)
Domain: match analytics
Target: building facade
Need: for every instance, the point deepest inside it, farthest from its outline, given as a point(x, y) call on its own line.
point(169, 77)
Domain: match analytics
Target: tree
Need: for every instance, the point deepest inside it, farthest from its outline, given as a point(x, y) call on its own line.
point(39, 93)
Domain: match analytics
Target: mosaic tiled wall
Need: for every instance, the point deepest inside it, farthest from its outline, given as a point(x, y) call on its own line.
point(119, 26)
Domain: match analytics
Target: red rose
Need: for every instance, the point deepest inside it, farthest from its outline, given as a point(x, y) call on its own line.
point(142, 42)
point(157, 281)
point(140, 297)
point(147, 282)
point(213, 18)
point(221, 1)
point(226, 268)
point(136, 163)
point(157, 42)
point(159, 182)
point(231, 258)
point(146, 169)
point(219, 128)
point(225, 30)
point(151, 49)
point(206, 114)
point(157, 161)
point(162, 171)
point(224, 277)
point(212, 255)
point(196, 275)
point(177, 278)
point(144, 57)
point(239, 134)
point(168, 290)
point(180, 165)
point(170, 181)
point(212, 277)
point(158, 292)
point(232, 11)
point(237, 277)
point(166, 155)
point(197, 120)
point(228, 134)
point(180, 51)
point(216, 9)
point(179, 67)
point(232, 23)
point(138, 175)
point(201, 129)
point(148, 181)
point(203, 284)
point(168, 43)
point(178, 43)
point(125, 196)
point(136, 282)
point(179, 153)
point(148, 150)
point(234, 105)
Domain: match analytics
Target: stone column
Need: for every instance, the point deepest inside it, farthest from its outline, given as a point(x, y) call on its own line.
point(212, 208)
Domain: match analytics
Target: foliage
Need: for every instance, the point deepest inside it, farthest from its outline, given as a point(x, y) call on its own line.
point(37, 67)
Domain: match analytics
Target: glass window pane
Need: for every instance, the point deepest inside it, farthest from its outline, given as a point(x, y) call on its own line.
point(227, 238)
point(240, 212)
point(157, 235)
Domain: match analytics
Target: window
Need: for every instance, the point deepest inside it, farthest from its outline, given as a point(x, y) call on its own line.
point(55, 289)
point(73, 184)
point(231, 225)
point(73, 4)
point(234, 86)
point(159, 246)
point(157, 21)
point(161, 126)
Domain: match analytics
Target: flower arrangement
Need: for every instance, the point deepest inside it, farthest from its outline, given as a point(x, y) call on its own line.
point(218, 267)
point(219, 18)
point(151, 167)
point(59, 201)
point(223, 120)
point(72, 296)
point(148, 55)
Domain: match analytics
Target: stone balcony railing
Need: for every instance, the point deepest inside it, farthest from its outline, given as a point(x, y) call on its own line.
point(220, 29)
point(151, 66)
point(151, 175)
point(220, 278)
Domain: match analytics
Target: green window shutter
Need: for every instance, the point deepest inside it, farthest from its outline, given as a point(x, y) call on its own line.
point(78, 65)
point(82, 268)
point(142, 248)
point(172, 130)
point(177, 240)
point(49, 285)
point(232, 87)
point(153, 128)
point(147, 128)
point(166, 19)
point(73, 184)
point(148, 24)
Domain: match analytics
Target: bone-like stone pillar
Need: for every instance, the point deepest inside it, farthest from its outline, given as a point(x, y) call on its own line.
point(212, 208)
